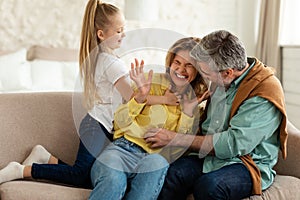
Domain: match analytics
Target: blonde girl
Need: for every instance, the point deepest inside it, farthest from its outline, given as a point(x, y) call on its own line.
point(101, 71)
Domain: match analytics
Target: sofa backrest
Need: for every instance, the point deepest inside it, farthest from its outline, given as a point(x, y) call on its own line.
point(291, 165)
point(28, 119)
point(52, 120)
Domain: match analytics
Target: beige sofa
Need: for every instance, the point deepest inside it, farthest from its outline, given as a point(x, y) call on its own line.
point(49, 119)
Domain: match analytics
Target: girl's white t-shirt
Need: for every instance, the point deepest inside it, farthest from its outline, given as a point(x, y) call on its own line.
point(109, 69)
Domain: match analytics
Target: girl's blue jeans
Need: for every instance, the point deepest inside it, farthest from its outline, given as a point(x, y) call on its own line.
point(185, 177)
point(125, 171)
point(93, 137)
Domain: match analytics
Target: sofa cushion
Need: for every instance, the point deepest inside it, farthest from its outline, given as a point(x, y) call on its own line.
point(51, 53)
point(38, 118)
point(41, 191)
point(15, 72)
point(290, 166)
point(52, 119)
point(284, 187)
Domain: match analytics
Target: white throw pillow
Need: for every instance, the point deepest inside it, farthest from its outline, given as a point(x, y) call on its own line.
point(15, 73)
point(71, 74)
point(47, 75)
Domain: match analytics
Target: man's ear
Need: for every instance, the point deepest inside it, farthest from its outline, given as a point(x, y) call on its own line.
point(100, 35)
point(230, 73)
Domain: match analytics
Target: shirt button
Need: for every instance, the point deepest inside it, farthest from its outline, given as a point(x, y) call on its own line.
point(217, 121)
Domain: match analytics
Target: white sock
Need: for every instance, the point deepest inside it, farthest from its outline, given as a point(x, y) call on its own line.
point(38, 155)
point(11, 172)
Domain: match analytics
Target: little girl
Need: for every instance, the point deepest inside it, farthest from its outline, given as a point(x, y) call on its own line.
point(129, 168)
point(102, 32)
point(101, 72)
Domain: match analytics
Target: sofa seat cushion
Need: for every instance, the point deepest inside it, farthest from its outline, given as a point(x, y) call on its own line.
point(40, 191)
point(284, 187)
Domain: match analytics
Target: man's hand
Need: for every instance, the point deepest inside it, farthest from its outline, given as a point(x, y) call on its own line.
point(159, 137)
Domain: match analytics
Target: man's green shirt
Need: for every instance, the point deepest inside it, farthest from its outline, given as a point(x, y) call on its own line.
point(253, 129)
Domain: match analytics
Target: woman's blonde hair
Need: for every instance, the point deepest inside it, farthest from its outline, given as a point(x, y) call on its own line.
point(96, 17)
point(186, 44)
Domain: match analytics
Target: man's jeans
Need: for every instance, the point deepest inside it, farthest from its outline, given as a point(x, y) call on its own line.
point(185, 177)
point(122, 163)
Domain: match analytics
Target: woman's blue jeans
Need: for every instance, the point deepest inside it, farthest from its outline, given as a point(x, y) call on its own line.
point(93, 137)
point(125, 171)
point(185, 177)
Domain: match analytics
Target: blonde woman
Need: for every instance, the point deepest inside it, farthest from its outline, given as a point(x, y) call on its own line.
point(129, 168)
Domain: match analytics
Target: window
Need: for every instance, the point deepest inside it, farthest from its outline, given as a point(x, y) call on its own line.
point(290, 28)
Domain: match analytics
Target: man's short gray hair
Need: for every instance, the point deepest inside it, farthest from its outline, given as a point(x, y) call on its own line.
point(221, 50)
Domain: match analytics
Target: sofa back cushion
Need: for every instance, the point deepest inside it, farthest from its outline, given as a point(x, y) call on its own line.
point(28, 119)
point(290, 166)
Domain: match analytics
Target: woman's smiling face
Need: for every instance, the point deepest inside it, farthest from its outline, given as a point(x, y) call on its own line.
point(182, 70)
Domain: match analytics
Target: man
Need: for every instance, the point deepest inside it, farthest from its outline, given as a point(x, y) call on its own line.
point(241, 136)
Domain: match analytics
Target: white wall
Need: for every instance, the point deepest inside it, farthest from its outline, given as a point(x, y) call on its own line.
point(50, 23)
point(57, 23)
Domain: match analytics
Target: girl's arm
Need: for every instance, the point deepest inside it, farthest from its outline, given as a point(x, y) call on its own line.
point(124, 88)
point(169, 98)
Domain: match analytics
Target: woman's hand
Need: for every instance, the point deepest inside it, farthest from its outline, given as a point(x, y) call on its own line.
point(204, 96)
point(144, 85)
point(190, 104)
point(171, 98)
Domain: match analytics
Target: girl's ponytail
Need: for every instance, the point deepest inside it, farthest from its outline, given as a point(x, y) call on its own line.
point(96, 17)
point(88, 53)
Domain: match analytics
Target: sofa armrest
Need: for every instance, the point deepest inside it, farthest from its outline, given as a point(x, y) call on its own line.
point(290, 166)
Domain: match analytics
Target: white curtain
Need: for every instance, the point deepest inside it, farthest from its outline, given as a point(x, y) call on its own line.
point(267, 49)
